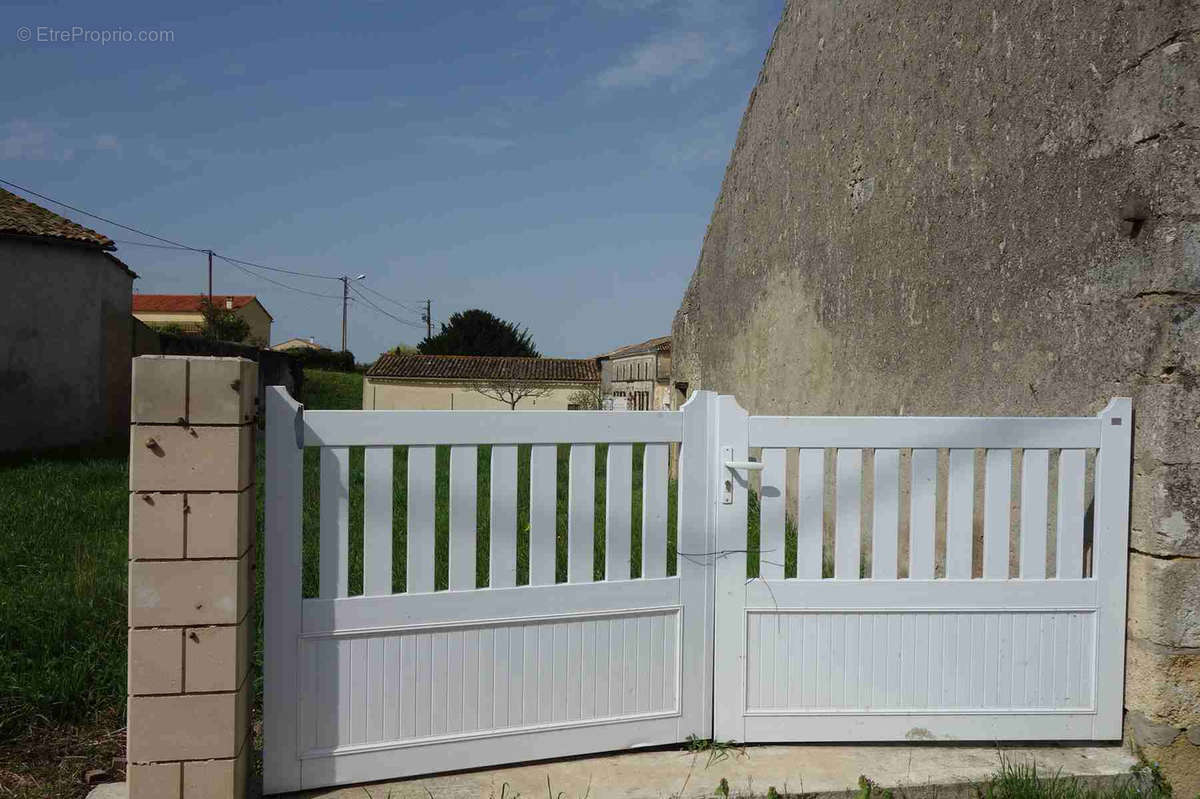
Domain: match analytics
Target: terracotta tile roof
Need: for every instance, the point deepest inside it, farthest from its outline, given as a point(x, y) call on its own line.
point(184, 303)
point(660, 344)
point(475, 367)
point(20, 217)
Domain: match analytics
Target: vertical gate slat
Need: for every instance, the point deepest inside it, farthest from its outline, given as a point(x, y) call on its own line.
point(654, 511)
point(848, 536)
point(617, 508)
point(810, 514)
point(923, 498)
point(581, 512)
point(420, 520)
point(377, 521)
point(960, 502)
point(503, 547)
point(772, 512)
point(1069, 557)
point(543, 499)
point(463, 506)
point(885, 528)
point(335, 522)
point(1035, 476)
point(997, 501)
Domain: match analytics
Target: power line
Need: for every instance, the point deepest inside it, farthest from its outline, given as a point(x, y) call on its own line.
point(380, 310)
point(97, 216)
point(156, 246)
point(166, 241)
point(412, 308)
point(275, 268)
point(235, 265)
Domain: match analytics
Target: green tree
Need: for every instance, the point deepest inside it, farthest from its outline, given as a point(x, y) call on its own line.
point(403, 349)
point(477, 332)
point(222, 324)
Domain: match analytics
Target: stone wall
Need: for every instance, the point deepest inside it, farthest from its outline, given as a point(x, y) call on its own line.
point(953, 208)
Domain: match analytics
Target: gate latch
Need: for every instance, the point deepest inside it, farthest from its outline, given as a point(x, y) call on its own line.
point(732, 466)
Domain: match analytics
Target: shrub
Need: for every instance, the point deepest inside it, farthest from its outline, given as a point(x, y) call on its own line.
point(327, 360)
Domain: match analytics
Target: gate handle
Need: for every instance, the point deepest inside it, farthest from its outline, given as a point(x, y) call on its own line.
point(750, 466)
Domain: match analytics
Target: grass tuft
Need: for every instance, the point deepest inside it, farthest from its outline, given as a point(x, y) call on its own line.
point(1024, 781)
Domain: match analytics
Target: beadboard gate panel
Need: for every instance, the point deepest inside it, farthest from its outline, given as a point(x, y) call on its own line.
point(387, 684)
point(972, 636)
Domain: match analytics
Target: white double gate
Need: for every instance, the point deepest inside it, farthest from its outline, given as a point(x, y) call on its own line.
point(902, 592)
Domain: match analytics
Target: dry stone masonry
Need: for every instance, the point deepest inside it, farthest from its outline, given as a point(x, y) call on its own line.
point(191, 557)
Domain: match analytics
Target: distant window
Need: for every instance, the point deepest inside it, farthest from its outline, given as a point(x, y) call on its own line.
point(572, 406)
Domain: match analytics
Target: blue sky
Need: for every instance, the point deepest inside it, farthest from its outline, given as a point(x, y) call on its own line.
point(554, 163)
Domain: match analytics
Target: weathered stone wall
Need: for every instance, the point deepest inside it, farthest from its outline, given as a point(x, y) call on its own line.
point(949, 207)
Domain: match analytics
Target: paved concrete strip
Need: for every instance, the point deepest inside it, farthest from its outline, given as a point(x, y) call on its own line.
point(749, 772)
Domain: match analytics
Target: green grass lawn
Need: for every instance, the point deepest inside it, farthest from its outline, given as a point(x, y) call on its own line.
point(332, 390)
point(63, 542)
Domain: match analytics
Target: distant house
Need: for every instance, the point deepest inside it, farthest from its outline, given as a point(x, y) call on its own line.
point(182, 311)
point(639, 373)
point(65, 329)
point(450, 382)
point(298, 344)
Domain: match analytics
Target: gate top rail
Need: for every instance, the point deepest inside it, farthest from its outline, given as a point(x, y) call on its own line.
point(927, 432)
point(429, 428)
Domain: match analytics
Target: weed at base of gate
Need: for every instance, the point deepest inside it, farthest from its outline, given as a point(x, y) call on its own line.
point(1023, 781)
point(715, 749)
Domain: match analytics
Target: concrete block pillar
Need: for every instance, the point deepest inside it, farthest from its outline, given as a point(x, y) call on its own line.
point(191, 536)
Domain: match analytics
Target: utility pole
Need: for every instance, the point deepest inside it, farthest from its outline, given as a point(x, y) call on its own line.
point(428, 319)
point(209, 276)
point(346, 302)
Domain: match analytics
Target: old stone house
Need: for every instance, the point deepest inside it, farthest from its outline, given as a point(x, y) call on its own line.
point(65, 329)
point(183, 312)
point(952, 208)
point(468, 382)
point(639, 373)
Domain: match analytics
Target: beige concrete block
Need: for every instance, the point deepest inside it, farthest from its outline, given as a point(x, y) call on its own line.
point(155, 661)
point(159, 393)
point(188, 726)
point(216, 779)
point(156, 525)
point(154, 780)
point(220, 525)
point(1164, 600)
point(177, 458)
point(222, 391)
point(217, 658)
point(1162, 684)
point(183, 592)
